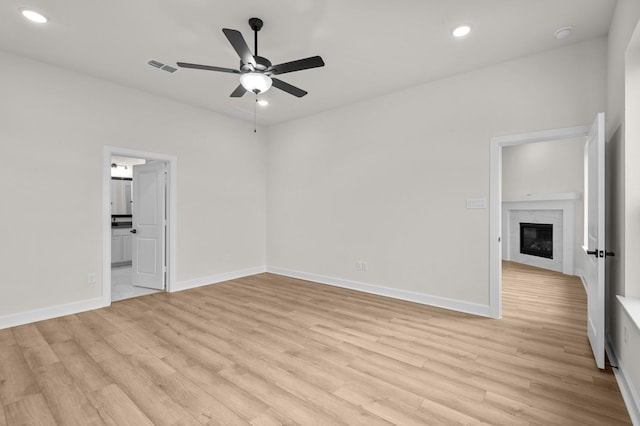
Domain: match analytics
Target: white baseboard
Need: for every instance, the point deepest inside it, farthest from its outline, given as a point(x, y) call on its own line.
point(580, 274)
point(217, 278)
point(629, 395)
point(42, 314)
point(425, 299)
point(20, 318)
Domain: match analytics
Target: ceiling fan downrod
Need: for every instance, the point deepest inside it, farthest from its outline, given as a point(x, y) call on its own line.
point(256, 25)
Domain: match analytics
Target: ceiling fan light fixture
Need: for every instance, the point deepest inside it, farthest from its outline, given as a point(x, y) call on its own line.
point(255, 82)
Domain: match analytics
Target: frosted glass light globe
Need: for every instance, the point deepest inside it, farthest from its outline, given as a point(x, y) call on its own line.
point(255, 82)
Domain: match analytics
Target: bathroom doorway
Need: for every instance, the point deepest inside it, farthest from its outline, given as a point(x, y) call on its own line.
point(139, 249)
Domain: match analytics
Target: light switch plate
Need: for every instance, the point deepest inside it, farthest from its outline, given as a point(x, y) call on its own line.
point(476, 203)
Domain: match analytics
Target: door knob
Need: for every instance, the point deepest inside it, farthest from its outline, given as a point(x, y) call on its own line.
point(133, 231)
point(601, 253)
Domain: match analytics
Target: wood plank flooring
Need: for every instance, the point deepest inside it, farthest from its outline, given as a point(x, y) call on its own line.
point(269, 350)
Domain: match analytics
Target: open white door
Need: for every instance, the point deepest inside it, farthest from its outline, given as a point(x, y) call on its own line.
point(148, 211)
point(595, 249)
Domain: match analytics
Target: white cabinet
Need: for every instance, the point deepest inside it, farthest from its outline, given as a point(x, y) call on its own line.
point(116, 248)
point(127, 246)
point(121, 245)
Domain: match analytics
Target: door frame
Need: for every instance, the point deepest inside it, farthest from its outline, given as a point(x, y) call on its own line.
point(171, 203)
point(495, 196)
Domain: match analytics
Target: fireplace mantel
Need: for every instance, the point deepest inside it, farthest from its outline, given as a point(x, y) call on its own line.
point(553, 196)
point(553, 207)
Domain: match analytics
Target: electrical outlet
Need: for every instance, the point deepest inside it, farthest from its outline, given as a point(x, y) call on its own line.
point(361, 265)
point(91, 279)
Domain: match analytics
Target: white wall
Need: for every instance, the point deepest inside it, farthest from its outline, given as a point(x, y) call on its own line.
point(386, 180)
point(623, 198)
point(623, 24)
point(547, 167)
point(53, 125)
point(543, 167)
point(631, 128)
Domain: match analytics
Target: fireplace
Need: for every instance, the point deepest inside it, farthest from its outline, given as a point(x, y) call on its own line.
point(536, 239)
point(557, 209)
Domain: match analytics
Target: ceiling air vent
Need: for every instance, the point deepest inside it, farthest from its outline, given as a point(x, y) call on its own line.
point(160, 65)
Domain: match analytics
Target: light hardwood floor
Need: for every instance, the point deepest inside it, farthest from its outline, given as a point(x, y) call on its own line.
point(269, 350)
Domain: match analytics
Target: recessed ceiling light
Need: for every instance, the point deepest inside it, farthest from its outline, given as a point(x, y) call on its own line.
point(461, 31)
point(34, 16)
point(263, 102)
point(562, 33)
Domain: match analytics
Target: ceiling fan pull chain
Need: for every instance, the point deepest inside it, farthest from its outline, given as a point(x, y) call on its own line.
point(255, 114)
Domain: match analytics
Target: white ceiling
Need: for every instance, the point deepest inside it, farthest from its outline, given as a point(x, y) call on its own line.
point(370, 47)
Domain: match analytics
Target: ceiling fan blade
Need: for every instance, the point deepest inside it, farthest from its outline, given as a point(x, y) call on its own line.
point(286, 87)
point(239, 45)
point(207, 67)
point(299, 65)
point(238, 92)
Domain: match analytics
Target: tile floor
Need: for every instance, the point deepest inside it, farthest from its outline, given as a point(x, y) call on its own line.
point(121, 287)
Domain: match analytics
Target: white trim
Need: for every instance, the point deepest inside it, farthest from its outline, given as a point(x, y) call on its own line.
point(217, 278)
point(631, 306)
point(26, 317)
point(495, 202)
point(411, 296)
point(630, 397)
point(172, 216)
point(542, 136)
point(580, 274)
point(495, 229)
point(552, 196)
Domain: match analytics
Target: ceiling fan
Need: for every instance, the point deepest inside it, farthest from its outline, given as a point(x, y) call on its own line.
point(256, 71)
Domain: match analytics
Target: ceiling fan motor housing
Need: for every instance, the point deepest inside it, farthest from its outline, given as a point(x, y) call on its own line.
point(262, 64)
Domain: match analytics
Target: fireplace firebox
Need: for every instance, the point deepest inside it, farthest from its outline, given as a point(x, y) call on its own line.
point(536, 239)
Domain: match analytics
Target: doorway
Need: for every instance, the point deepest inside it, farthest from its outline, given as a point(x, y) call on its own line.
point(122, 228)
point(139, 193)
point(595, 235)
point(496, 191)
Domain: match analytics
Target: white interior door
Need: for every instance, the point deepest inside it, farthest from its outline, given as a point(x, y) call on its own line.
point(148, 230)
point(595, 245)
